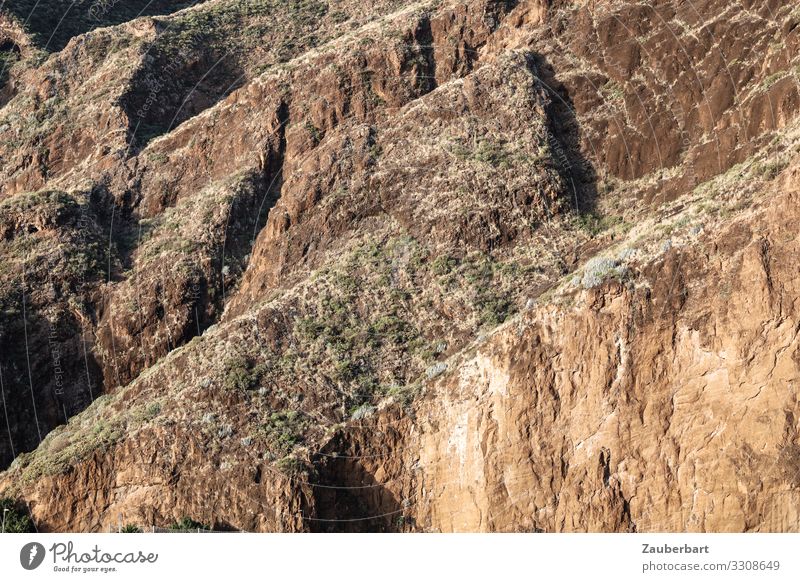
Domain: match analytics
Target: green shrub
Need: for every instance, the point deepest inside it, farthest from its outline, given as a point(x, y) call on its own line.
point(494, 310)
point(393, 329)
point(16, 520)
point(289, 465)
point(241, 373)
point(7, 60)
point(284, 430)
point(314, 132)
point(770, 170)
point(593, 224)
point(772, 79)
point(187, 523)
point(443, 265)
point(598, 269)
point(404, 394)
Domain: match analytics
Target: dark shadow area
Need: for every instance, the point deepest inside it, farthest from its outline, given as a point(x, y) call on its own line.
point(49, 372)
point(577, 171)
point(48, 375)
point(9, 55)
point(348, 498)
point(177, 85)
point(52, 23)
point(168, 272)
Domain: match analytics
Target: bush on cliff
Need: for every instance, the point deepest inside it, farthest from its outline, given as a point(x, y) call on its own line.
point(15, 520)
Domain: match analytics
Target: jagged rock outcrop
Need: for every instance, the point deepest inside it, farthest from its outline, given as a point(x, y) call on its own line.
point(428, 266)
point(668, 405)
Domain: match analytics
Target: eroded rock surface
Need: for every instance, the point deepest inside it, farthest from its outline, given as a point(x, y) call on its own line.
point(424, 266)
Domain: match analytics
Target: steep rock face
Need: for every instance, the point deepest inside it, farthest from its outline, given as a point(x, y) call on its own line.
point(13, 43)
point(185, 262)
point(670, 405)
point(172, 467)
point(285, 113)
point(670, 87)
point(293, 322)
point(663, 404)
point(330, 192)
point(53, 258)
point(71, 122)
point(64, 118)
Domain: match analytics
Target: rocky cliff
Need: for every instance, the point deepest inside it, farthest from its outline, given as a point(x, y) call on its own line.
point(401, 266)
